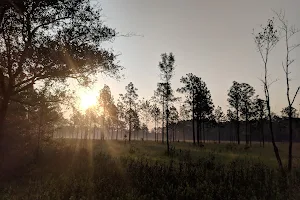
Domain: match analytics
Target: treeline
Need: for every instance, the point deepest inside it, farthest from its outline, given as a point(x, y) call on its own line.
point(195, 120)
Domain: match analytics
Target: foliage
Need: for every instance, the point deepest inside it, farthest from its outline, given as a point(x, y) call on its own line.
point(79, 174)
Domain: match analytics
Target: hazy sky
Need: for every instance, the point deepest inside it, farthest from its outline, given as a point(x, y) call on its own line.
point(212, 39)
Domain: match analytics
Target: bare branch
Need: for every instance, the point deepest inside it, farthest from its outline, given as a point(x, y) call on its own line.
point(295, 95)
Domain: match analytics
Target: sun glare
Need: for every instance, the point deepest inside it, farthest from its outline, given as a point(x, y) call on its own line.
point(88, 100)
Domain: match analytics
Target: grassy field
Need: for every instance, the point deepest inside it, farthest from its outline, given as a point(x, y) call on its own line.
point(225, 151)
point(85, 169)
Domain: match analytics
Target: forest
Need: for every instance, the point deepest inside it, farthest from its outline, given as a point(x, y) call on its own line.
point(175, 145)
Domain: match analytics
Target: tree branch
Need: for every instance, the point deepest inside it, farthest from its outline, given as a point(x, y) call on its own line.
point(295, 95)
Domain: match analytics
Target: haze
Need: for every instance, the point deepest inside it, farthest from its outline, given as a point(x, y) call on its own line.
point(212, 39)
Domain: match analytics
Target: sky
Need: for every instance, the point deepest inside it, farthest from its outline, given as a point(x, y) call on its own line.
point(211, 39)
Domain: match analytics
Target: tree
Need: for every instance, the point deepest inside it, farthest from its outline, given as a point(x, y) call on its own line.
point(155, 113)
point(121, 116)
point(190, 89)
point(145, 112)
point(166, 66)
point(265, 41)
point(259, 115)
point(235, 101)
point(231, 117)
point(285, 112)
point(50, 40)
point(220, 119)
point(203, 107)
point(289, 32)
point(184, 115)
point(247, 93)
point(129, 100)
point(106, 103)
point(174, 117)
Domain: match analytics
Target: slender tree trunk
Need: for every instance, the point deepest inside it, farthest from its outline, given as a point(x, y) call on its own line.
point(271, 126)
point(203, 131)
point(39, 133)
point(238, 129)
point(193, 121)
point(167, 127)
point(3, 112)
point(219, 134)
point(247, 137)
point(290, 140)
point(183, 134)
point(163, 122)
point(198, 133)
point(262, 133)
point(117, 134)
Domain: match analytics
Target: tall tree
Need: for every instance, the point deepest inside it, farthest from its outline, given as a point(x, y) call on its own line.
point(155, 113)
point(259, 115)
point(289, 31)
point(203, 107)
point(129, 100)
point(50, 40)
point(190, 89)
point(105, 101)
point(166, 66)
point(247, 92)
point(220, 119)
point(174, 117)
point(145, 112)
point(265, 41)
point(235, 101)
point(184, 115)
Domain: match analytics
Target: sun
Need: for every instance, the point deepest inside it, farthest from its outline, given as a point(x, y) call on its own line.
point(88, 100)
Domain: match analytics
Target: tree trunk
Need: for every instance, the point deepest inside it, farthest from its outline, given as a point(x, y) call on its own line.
point(262, 133)
point(219, 134)
point(290, 140)
point(238, 130)
point(247, 138)
point(163, 122)
point(3, 112)
point(167, 127)
point(183, 135)
point(272, 132)
point(193, 121)
point(203, 132)
point(198, 133)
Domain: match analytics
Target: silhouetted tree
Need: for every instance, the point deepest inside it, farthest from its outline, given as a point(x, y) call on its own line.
point(190, 89)
point(289, 32)
point(285, 112)
point(203, 107)
point(174, 117)
point(265, 41)
point(247, 93)
point(184, 115)
point(235, 101)
point(50, 40)
point(105, 101)
point(145, 112)
point(155, 113)
point(129, 100)
point(260, 113)
point(166, 66)
point(231, 118)
point(220, 119)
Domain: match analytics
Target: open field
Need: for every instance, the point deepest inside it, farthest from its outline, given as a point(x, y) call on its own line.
point(86, 169)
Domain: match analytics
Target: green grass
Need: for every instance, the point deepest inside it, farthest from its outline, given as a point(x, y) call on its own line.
point(75, 169)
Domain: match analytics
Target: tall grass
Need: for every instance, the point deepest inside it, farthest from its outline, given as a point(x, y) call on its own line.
point(83, 174)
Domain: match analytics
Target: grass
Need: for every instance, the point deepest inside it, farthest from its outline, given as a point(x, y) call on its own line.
point(77, 169)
